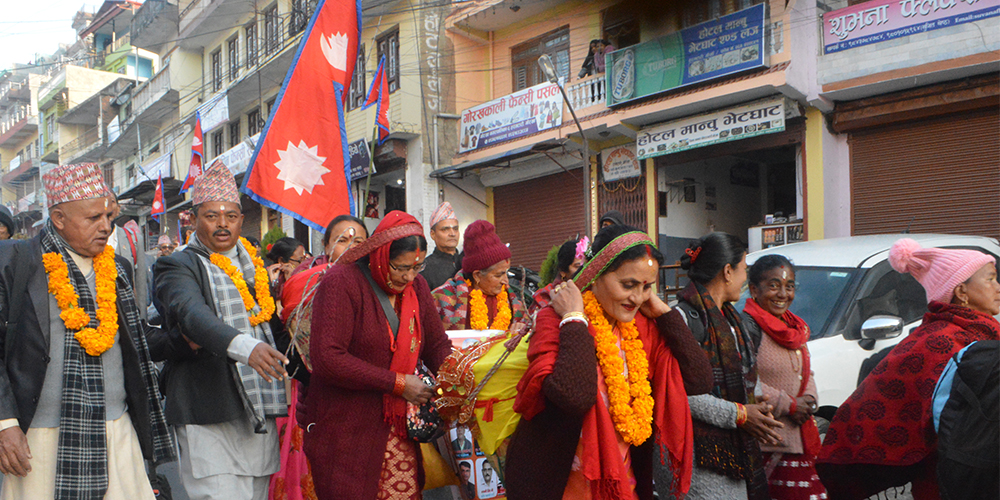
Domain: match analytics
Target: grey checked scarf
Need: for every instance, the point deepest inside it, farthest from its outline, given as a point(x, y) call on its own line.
point(260, 398)
point(82, 457)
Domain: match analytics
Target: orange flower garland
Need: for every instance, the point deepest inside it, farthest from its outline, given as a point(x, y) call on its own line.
point(631, 401)
point(93, 340)
point(260, 283)
point(479, 314)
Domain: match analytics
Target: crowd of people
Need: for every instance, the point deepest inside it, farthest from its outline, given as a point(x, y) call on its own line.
point(300, 379)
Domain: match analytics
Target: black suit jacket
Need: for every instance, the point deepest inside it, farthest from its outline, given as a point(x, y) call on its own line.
point(200, 386)
point(25, 342)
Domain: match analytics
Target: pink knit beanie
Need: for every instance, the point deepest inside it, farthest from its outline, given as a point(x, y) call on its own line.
point(483, 247)
point(939, 270)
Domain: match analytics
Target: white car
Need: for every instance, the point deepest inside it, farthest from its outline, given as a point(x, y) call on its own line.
point(856, 305)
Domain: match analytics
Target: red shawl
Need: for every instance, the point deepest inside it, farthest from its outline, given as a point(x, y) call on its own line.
point(601, 460)
point(792, 333)
point(887, 421)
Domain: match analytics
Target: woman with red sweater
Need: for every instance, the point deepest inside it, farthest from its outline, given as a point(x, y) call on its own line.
point(883, 435)
point(373, 321)
point(605, 393)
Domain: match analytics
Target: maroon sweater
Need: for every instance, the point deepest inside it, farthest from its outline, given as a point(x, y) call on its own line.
point(351, 357)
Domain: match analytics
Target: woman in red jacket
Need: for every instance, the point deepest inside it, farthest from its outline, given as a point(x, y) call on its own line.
point(605, 393)
point(363, 368)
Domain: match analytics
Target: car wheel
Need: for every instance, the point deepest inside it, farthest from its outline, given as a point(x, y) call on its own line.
point(823, 425)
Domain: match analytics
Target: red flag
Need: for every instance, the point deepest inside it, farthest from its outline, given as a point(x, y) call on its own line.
point(381, 96)
point(159, 207)
point(197, 155)
point(301, 165)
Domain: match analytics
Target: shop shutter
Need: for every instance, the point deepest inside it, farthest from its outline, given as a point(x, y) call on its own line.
point(938, 175)
point(534, 215)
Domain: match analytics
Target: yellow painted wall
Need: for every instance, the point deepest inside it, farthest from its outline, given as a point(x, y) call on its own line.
point(814, 174)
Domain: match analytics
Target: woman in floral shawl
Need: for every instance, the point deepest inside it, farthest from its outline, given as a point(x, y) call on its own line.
point(605, 393)
point(364, 367)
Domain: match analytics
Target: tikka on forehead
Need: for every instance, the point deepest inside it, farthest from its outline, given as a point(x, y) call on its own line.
point(596, 266)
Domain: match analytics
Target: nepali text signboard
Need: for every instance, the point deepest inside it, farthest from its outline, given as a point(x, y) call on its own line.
point(881, 20)
point(619, 163)
point(727, 45)
point(516, 115)
point(360, 159)
point(756, 118)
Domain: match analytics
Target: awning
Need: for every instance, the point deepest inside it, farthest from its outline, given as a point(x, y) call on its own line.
point(457, 171)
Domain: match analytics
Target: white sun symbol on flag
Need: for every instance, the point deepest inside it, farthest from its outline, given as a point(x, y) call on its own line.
point(301, 167)
point(156, 205)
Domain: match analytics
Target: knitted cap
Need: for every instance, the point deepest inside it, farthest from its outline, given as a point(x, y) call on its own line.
point(483, 247)
point(74, 182)
point(216, 184)
point(443, 212)
point(939, 270)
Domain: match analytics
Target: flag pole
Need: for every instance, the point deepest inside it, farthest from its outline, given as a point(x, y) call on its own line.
point(371, 164)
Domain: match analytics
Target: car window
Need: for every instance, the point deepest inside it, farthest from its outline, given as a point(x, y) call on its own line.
point(885, 292)
point(818, 290)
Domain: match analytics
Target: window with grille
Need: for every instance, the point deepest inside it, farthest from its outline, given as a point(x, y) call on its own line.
point(620, 27)
point(272, 31)
point(218, 142)
point(270, 106)
point(524, 58)
point(253, 122)
point(234, 57)
point(217, 70)
point(299, 18)
point(698, 12)
point(388, 45)
point(356, 96)
point(108, 172)
point(234, 133)
point(251, 37)
point(130, 175)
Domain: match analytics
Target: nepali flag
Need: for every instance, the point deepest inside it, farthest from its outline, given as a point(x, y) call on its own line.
point(197, 155)
point(301, 165)
point(380, 96)
point(159, 208)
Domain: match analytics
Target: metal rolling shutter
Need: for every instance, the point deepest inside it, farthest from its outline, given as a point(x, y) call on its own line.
point(534, 215)
point(943, 174)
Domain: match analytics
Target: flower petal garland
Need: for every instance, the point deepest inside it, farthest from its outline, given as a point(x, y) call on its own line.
point(479, 314)
point(631, 401)
point(93, 340)
point(260, 283)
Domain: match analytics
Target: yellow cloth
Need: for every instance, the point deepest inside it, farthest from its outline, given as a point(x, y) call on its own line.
point(501, 388)
point(127, 478)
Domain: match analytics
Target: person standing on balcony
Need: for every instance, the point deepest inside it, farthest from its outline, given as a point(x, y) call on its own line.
point(79, 405)
point(594, 63)
point(224, 376)
point(446, 260)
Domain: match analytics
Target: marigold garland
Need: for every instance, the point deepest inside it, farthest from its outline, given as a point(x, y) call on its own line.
point(260, 283)
point(631, 401)
point(93, 340)
point(479, 314)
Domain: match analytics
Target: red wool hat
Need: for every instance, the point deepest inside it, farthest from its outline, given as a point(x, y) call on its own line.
point(483, 247)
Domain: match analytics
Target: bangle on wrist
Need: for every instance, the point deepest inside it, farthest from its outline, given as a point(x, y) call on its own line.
point(574, 319)
point(741, 415)
point(574, 314)
point(399, 385)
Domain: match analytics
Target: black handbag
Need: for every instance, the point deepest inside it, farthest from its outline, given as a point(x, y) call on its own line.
point(423, 422)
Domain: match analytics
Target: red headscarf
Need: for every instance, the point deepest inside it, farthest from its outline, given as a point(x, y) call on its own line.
point(405, 344)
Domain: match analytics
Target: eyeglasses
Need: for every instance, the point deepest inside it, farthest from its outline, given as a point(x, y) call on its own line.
point(405, 269)
point(297, 261)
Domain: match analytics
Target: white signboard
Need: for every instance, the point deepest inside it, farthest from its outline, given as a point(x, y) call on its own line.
point(214, 112)
point(158, 167)
point(516, 115)
point(619, 163)
point(237, 158)
point(752, 119)
point(114, 130)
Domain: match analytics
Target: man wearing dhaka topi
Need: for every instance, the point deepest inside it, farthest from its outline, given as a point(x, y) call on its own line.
point(79, 405)
point(224, 377)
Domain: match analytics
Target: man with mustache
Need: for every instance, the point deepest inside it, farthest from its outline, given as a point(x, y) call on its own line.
point(224, 377)
point(79, 405)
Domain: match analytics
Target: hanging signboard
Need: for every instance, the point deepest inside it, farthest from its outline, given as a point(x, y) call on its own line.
point(360, 159)
point(710, 50)
point(159, 167)
point(619, 163)
point(237, 157)
point(516, 115)
point(881, 20)
point(214, 112)
point(756, 118)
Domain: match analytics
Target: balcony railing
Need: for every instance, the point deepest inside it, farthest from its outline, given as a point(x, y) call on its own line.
point(14, 116)
point(117, 44)
point(8, 87)
point(87, 140)
point(150, 91)
point(589, 92)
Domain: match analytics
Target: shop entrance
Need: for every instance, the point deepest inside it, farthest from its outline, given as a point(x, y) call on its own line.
point(736, 192)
